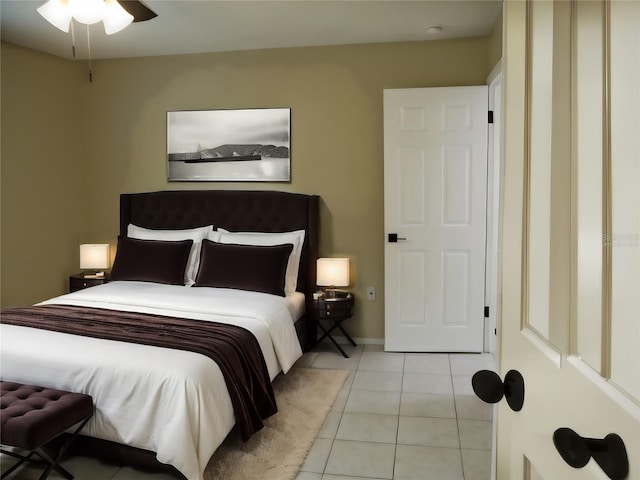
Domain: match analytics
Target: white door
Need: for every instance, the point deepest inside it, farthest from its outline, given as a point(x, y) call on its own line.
point(435, 180)
point(570, 241)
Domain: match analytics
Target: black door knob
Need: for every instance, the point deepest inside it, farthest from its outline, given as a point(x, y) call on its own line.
point(394, 238)
point(488, 386)
point(609, 452)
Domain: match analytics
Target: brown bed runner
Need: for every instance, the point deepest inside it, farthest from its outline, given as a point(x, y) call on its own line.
point(233, 348)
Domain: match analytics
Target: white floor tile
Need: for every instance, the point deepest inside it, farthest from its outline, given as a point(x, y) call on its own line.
point(428, 432)
point(470, 407)
point(316, 459)
point(327, 346)
point(475, 434)
point(309, 476)
point(377, 381)
point(340, 401)
point(476, 464)
point(427, 383)
point(381, 362)
point(462, 385)
point(348, 381)
point(373, 348)
point(427, 405)
point(335, 361)
point(437, 363)
point(361, 459)
point(470, 363)
point(330, 425)
point(342, 477)
point(364, 401)
point(368, 427)
point(428, 463)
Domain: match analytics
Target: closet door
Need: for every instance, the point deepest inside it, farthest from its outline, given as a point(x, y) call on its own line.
point(435, 184)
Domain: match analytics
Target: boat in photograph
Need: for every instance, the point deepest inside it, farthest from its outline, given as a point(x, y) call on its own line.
point(231, 153)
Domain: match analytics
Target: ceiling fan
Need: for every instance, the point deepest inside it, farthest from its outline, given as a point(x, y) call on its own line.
point(114, 14)
point(139, 10)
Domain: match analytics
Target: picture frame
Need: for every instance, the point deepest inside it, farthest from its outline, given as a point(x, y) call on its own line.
point(243, 145)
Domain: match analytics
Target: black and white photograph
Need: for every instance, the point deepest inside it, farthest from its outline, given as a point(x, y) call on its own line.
point(248, 145)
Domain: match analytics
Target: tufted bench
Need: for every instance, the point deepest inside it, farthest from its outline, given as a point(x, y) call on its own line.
point(31, 416)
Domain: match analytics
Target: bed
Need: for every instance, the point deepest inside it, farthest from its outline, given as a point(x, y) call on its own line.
point(167, 404)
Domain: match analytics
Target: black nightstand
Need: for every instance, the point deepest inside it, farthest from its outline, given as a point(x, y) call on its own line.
point(78, 282)
point(336, 311)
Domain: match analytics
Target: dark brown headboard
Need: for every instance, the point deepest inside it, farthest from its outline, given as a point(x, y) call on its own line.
point(234, 210)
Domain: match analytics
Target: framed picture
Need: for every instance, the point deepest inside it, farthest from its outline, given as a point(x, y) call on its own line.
point(250, 145)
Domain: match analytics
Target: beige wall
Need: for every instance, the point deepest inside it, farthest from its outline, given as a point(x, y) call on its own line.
point(494, 47)
point(42, 209)
point(335, 95)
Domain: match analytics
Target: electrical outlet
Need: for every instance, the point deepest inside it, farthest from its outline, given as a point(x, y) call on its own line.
point(371, 293)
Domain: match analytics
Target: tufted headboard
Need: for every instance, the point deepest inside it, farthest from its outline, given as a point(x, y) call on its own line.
point(234, 210)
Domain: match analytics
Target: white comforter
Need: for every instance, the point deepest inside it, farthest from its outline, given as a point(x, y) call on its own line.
point(169, 401)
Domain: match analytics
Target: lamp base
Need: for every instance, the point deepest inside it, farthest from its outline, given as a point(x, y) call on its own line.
point(335, 293)
point(97, 274)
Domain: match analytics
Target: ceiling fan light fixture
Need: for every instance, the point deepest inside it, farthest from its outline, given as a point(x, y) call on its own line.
point(57, 13)
point(115, 17)
point(60, 13)
point(87, 11)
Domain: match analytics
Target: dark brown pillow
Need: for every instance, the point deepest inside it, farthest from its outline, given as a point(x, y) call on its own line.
point(258, 268)
point(156, 261)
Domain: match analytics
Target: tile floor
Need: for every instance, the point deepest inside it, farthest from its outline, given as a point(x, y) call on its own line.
point(398, 416)
point(402, 416)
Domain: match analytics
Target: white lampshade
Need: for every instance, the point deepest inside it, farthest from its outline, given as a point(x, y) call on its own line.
point(115, 17)
point(94, 256)
point(87, 11)
point(333, 272)
point(57, 13)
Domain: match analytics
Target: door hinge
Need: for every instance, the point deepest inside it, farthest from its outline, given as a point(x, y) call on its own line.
point(486, 312)
point(490, 117)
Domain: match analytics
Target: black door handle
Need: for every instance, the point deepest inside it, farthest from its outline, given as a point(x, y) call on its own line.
point(489, 388)
point(393, 238)
point(609, 452)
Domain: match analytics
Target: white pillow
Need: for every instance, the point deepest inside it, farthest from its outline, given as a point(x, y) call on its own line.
point(195, 234)
point(296, 238)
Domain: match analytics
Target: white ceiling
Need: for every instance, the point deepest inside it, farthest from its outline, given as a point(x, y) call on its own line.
point(186, 26)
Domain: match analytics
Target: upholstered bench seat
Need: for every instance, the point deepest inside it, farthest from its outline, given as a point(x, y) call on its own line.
point(31, 416)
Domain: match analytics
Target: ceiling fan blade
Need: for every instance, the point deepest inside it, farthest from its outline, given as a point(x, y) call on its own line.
point(138, 9)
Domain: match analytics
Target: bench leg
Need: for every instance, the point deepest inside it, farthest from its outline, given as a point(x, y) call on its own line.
point(22, 459)
point(52, 463)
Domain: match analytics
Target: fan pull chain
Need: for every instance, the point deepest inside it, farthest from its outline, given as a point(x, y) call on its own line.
point(73, 41)
point(89, 47)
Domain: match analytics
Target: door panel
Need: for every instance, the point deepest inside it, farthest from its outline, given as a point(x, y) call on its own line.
point(435, 198)
point(625, 196)
point(589, 212)
point(561, 388)
point(539, 171)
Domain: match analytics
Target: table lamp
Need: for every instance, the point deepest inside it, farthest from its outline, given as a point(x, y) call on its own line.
point(332, 273)
point(94, 257)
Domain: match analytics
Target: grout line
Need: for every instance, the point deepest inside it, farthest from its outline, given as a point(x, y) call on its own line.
point(395, 450)
point(455, 406)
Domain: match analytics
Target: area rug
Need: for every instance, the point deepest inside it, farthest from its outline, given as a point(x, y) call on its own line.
point(304, 397)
